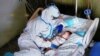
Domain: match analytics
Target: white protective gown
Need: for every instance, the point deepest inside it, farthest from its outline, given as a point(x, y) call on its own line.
point(41, 26)
point(30, 41)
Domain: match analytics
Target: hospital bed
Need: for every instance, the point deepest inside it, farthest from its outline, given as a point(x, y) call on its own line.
point(90, 25)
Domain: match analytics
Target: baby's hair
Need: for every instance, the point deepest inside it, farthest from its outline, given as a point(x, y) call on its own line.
point(69, 32)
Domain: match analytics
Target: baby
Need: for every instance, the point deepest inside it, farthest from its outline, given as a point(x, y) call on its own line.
point(64, 35)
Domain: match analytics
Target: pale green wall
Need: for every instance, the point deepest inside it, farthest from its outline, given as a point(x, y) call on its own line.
point(96, 7)
point(12, 19)
point(82, 3)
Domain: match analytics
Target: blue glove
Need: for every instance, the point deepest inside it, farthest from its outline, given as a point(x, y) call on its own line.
point(53, 46)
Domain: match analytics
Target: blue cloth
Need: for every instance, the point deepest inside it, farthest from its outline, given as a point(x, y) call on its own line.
point(8, 54)
point(95, 51)
point(69, 22)
point(81, 33)
point(79, 44)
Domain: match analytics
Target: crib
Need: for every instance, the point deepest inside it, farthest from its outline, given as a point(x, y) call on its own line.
point(91, 26)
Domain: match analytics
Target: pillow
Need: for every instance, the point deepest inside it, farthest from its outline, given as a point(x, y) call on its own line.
point(76, 25)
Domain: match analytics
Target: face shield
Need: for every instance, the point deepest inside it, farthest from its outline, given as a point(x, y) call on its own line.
point(50, 14)
point(54, 12)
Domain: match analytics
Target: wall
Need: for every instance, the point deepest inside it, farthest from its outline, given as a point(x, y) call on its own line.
point(82, 4)
point(12, 19)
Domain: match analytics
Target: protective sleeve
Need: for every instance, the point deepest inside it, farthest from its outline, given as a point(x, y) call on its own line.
point(47, 44)
point(40, 42)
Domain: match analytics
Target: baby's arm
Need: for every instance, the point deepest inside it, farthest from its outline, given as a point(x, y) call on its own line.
point(59, 40)
point(56, 42)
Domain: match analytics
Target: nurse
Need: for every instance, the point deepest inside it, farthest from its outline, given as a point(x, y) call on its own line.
point(38, 32)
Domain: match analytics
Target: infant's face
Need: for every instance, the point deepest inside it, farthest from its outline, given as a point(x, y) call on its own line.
point(66, 35)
